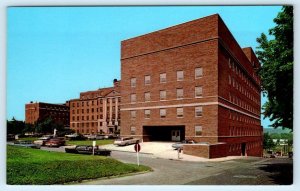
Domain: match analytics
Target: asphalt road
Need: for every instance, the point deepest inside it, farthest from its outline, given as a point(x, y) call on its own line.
point(247, 171)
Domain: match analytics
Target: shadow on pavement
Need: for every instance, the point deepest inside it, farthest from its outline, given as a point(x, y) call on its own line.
point(281, 173)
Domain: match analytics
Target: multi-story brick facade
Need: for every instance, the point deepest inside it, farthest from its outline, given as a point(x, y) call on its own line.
point(192, 81)
point(40, 111)
point(96, 111)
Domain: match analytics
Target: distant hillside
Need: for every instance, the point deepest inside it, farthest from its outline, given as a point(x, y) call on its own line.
point(278, 130)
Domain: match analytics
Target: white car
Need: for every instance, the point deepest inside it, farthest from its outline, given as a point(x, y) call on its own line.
point(124, 141)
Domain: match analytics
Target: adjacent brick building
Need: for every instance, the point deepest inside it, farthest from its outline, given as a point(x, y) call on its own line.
point(40, 111)
point(96, 111)
point(192, 81)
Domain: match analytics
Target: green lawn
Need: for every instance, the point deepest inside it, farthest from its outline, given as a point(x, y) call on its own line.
point(29, 138)
point(34, 166)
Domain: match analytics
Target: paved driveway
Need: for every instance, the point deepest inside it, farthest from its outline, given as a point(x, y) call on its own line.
point(163, 150)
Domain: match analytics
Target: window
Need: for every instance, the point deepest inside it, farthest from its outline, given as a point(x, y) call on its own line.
point(198, 111)
point(132, 130)
point(198, 91)
point(147, 96)
point(133, 98)
point(198, 72)
point(163, 78)
point(82, 110)
point(198, 130)
point(133, 82)
point(179, 93)
point(147, 113)
point(179, 75)
point(163, 94)
point(82, 118)
point(163, 113)
point(147, 80)
point(133, 114)
point(229, 78)
point(179, 112)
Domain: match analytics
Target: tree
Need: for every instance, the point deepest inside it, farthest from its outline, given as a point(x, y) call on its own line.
point(47, 125)
point(14, 126)
point(268, 142)
point(276, 56)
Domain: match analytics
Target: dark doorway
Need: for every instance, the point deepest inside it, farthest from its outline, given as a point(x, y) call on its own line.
point(163, 133)
point(243, 149)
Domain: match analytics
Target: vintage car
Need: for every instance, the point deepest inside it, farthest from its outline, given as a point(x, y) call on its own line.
point(42, 140)
point(124, 141)
point(55, 142)
point(25, 143)
point(88, 149)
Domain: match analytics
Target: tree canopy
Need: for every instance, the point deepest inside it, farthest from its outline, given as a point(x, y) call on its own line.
point(276, 56)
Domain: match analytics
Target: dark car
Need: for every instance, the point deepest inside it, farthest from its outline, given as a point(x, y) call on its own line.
point(88, 149)
point(55, 142)
point(179, 145)
point(25, 143)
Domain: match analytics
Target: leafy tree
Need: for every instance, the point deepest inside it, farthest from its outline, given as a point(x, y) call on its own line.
point(276, 56)
point(47, 125)
point(14, 126)
point(268, 142)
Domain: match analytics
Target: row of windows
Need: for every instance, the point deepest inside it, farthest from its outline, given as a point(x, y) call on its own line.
point(235, 116)
point(163, 77)
point(198, 130)
point(163, 94)
point(91, 124)
point(243, 90)
point(243, 104)
point(92, 102)
point(235, 68)
point(243, 131)
point(95, 110)
point(163, 112)
point(93, 117)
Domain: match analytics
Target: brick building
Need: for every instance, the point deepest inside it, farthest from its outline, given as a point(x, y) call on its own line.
point(192, 81)
point(96, 111)
point(40, 111)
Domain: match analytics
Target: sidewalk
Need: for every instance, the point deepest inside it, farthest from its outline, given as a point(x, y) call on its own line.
point(164, 150)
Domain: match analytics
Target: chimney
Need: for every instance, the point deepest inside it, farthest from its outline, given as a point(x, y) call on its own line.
point(116, 83)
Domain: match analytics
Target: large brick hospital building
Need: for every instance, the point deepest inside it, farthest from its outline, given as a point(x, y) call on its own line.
point(192, 81)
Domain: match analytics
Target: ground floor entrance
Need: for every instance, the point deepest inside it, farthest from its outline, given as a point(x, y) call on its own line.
point(163, 133)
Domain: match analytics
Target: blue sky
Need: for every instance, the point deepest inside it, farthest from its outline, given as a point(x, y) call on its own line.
point(54, 53)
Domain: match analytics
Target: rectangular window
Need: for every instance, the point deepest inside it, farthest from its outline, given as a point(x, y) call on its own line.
point(198, 72)
point(133, 114)
point(132, 130)
point(198, 111)
point(147, 113)
point(198, 91)
point(133, 82)
point(198, 130)
point(179, 75)
point(133, 98)
point(162, 94)
point(163, 78)
point(179, 112)
point(162, 113)
point(147, 80)
point(179, 93)
point(147, 96)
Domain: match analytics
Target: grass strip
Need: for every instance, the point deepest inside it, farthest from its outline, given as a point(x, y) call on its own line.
point(38, 167)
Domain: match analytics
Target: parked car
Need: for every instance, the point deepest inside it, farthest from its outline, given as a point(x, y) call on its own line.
point(124, 141)
point(88, 149)
point(41, 141)
point(75, 136)
point(26, 143)
point(55, 142)
point(179, 145)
